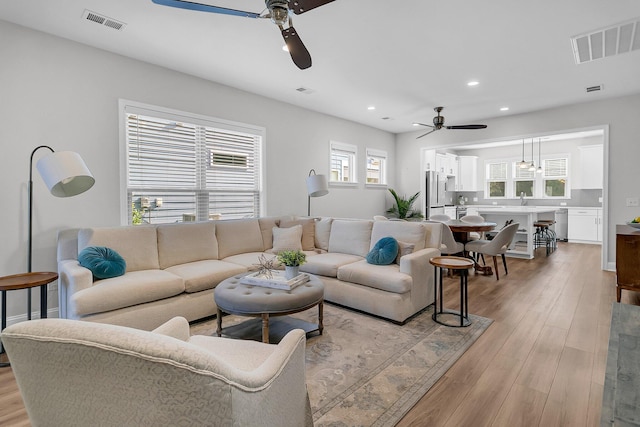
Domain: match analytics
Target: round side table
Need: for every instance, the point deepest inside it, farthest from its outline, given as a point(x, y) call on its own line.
point(25, 281)
point(462, 266)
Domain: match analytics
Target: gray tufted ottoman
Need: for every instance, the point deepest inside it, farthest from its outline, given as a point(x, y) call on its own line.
point(234, 297)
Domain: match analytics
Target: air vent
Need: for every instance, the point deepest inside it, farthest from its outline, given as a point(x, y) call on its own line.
point(103, 20)
point(305, 90)
point(610, 41)
point(595, 88)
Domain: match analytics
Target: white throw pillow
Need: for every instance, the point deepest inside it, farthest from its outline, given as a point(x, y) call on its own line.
point(404, 248)
point(287, 239)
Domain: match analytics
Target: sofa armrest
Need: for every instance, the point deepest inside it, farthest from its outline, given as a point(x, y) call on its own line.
point(72, 278)
point(177, 328)
point(417, 265)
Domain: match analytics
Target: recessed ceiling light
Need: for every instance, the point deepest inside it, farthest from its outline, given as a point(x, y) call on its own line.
point(473, 83)
point(371, 107)
point(504, 108)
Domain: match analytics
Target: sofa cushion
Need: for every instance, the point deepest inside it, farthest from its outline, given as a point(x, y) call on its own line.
point(327, 264)
point(405, 231)
point(136, 287)
point(104, 263)
point(308, 231)
point(266, 228)
point(384, 252)
point(238, 236)
point(201, 275)
point(186, 242)
point(351, 237)
point(137, 245)
point(287, 239)
point(384, 277)
point(322, 233)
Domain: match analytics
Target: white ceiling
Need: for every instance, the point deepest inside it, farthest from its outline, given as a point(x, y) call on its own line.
point(404, 57)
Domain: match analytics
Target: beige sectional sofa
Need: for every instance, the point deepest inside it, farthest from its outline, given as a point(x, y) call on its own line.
point(173, 268)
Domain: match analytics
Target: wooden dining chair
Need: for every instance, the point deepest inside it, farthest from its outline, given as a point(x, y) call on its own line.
point(496, 246)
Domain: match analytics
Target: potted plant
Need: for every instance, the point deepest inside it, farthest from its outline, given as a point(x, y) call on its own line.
point(291, 260)
point(403, 209)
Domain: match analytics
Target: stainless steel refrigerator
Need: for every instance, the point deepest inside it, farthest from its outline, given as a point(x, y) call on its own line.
point(436, 186)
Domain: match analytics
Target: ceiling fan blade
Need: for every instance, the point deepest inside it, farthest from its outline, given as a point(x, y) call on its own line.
point(181, 4)
point(299, 53)
point(422, 124)
point(302, 6)
point(427, 133)
point(467, 127)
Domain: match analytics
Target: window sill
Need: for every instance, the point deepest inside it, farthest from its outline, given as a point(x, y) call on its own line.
point(381, 186)
point(343, 184)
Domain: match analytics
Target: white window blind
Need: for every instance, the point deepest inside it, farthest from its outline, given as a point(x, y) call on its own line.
point(555, 167)
point(497, 171)
point(524, 173)
point(182, 171)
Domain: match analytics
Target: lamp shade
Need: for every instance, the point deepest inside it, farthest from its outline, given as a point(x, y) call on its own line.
point(317, 185)
point(65, 173)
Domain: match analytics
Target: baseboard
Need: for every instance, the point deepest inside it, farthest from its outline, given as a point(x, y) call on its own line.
point(52, 312)
point(611, 266)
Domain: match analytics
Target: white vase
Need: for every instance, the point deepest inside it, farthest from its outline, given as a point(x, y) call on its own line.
point(291, 271)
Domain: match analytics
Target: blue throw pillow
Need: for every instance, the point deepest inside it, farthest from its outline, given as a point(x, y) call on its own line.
point(103, 262)
point(384, 252)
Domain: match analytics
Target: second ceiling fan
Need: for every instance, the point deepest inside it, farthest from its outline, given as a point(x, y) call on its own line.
point(438, 123)
point(279, 11)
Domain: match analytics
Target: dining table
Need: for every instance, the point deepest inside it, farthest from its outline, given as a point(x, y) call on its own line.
point(461, 231)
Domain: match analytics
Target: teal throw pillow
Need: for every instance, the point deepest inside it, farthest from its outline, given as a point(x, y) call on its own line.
point(384, 252)
point(103, 262)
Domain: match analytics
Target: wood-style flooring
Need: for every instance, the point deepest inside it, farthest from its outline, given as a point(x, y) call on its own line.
point(541, 363)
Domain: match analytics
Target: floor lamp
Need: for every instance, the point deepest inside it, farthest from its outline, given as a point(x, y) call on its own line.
point(316, 187)
point(65, 174)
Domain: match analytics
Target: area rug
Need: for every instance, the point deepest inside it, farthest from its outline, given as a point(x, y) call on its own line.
point(365, 371)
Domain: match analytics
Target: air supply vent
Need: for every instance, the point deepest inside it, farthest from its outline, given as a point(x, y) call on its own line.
point(103, 20)
point(305, 90)
point(605, 42)
point(595, 88)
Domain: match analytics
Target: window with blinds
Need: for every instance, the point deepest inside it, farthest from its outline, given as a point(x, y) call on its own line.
point(524, 181)
point(555, 177)
point(343, 162)
point(190, 170)
point(376, 167)
point(497, 179)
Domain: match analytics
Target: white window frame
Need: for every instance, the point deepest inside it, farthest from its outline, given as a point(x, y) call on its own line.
point(487, 179)
point(380, 156)
point(523, 174)
point(205, 124)
point(566, 176)
point(349, 152)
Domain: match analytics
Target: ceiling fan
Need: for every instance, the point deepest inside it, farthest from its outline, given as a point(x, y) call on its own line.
point(279, 11)
point(438, 123)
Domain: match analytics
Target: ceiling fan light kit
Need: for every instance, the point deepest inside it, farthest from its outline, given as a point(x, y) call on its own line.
point(438, 123)
point(279, 12)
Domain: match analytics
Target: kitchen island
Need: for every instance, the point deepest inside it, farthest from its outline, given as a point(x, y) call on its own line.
point(522, 245)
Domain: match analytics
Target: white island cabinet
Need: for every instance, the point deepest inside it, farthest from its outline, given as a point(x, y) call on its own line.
point(522, 244)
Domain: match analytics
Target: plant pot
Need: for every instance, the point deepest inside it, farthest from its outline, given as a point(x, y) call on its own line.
point(291, 271)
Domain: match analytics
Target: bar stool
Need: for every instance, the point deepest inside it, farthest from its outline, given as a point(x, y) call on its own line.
point(462, 265)
point(544, 235)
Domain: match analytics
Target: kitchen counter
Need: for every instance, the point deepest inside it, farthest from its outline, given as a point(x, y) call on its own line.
point(517, 209)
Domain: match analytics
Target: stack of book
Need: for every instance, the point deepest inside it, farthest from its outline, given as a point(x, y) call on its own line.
point(275, 280)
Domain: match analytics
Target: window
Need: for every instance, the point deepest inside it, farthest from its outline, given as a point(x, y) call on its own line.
point(524, 181)
point(343, 162)
point(555, 177)
point(183, 167)
point(497, 179)
point(376, 167)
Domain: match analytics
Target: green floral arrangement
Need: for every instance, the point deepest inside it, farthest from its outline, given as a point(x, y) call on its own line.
point(292, 258)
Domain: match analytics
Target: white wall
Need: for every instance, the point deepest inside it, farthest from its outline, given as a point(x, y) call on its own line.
point(64, 94)
point(621, 114)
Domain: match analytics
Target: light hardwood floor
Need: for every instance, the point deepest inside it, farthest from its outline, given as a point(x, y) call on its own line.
point(541, 363)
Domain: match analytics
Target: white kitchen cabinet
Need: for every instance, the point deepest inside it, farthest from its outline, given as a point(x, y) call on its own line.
point(467, 178)
point(429, 160)
point(447, 164)
point(591, 166)
point(450, 211)
point(472, 211)
point(585, 225)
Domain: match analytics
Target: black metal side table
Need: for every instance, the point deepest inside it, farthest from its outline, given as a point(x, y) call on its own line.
point(462, 266)
point(24, 281)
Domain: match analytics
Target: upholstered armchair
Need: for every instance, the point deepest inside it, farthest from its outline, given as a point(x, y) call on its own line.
point(75, 373)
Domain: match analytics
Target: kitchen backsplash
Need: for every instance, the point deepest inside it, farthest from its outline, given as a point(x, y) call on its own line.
point(582, 198)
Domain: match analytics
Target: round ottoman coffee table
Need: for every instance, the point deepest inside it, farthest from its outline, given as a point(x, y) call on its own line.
point(233, 297)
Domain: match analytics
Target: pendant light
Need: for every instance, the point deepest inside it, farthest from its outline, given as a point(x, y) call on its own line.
point(532, 166)
point(539, 170)
point(522, 164)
